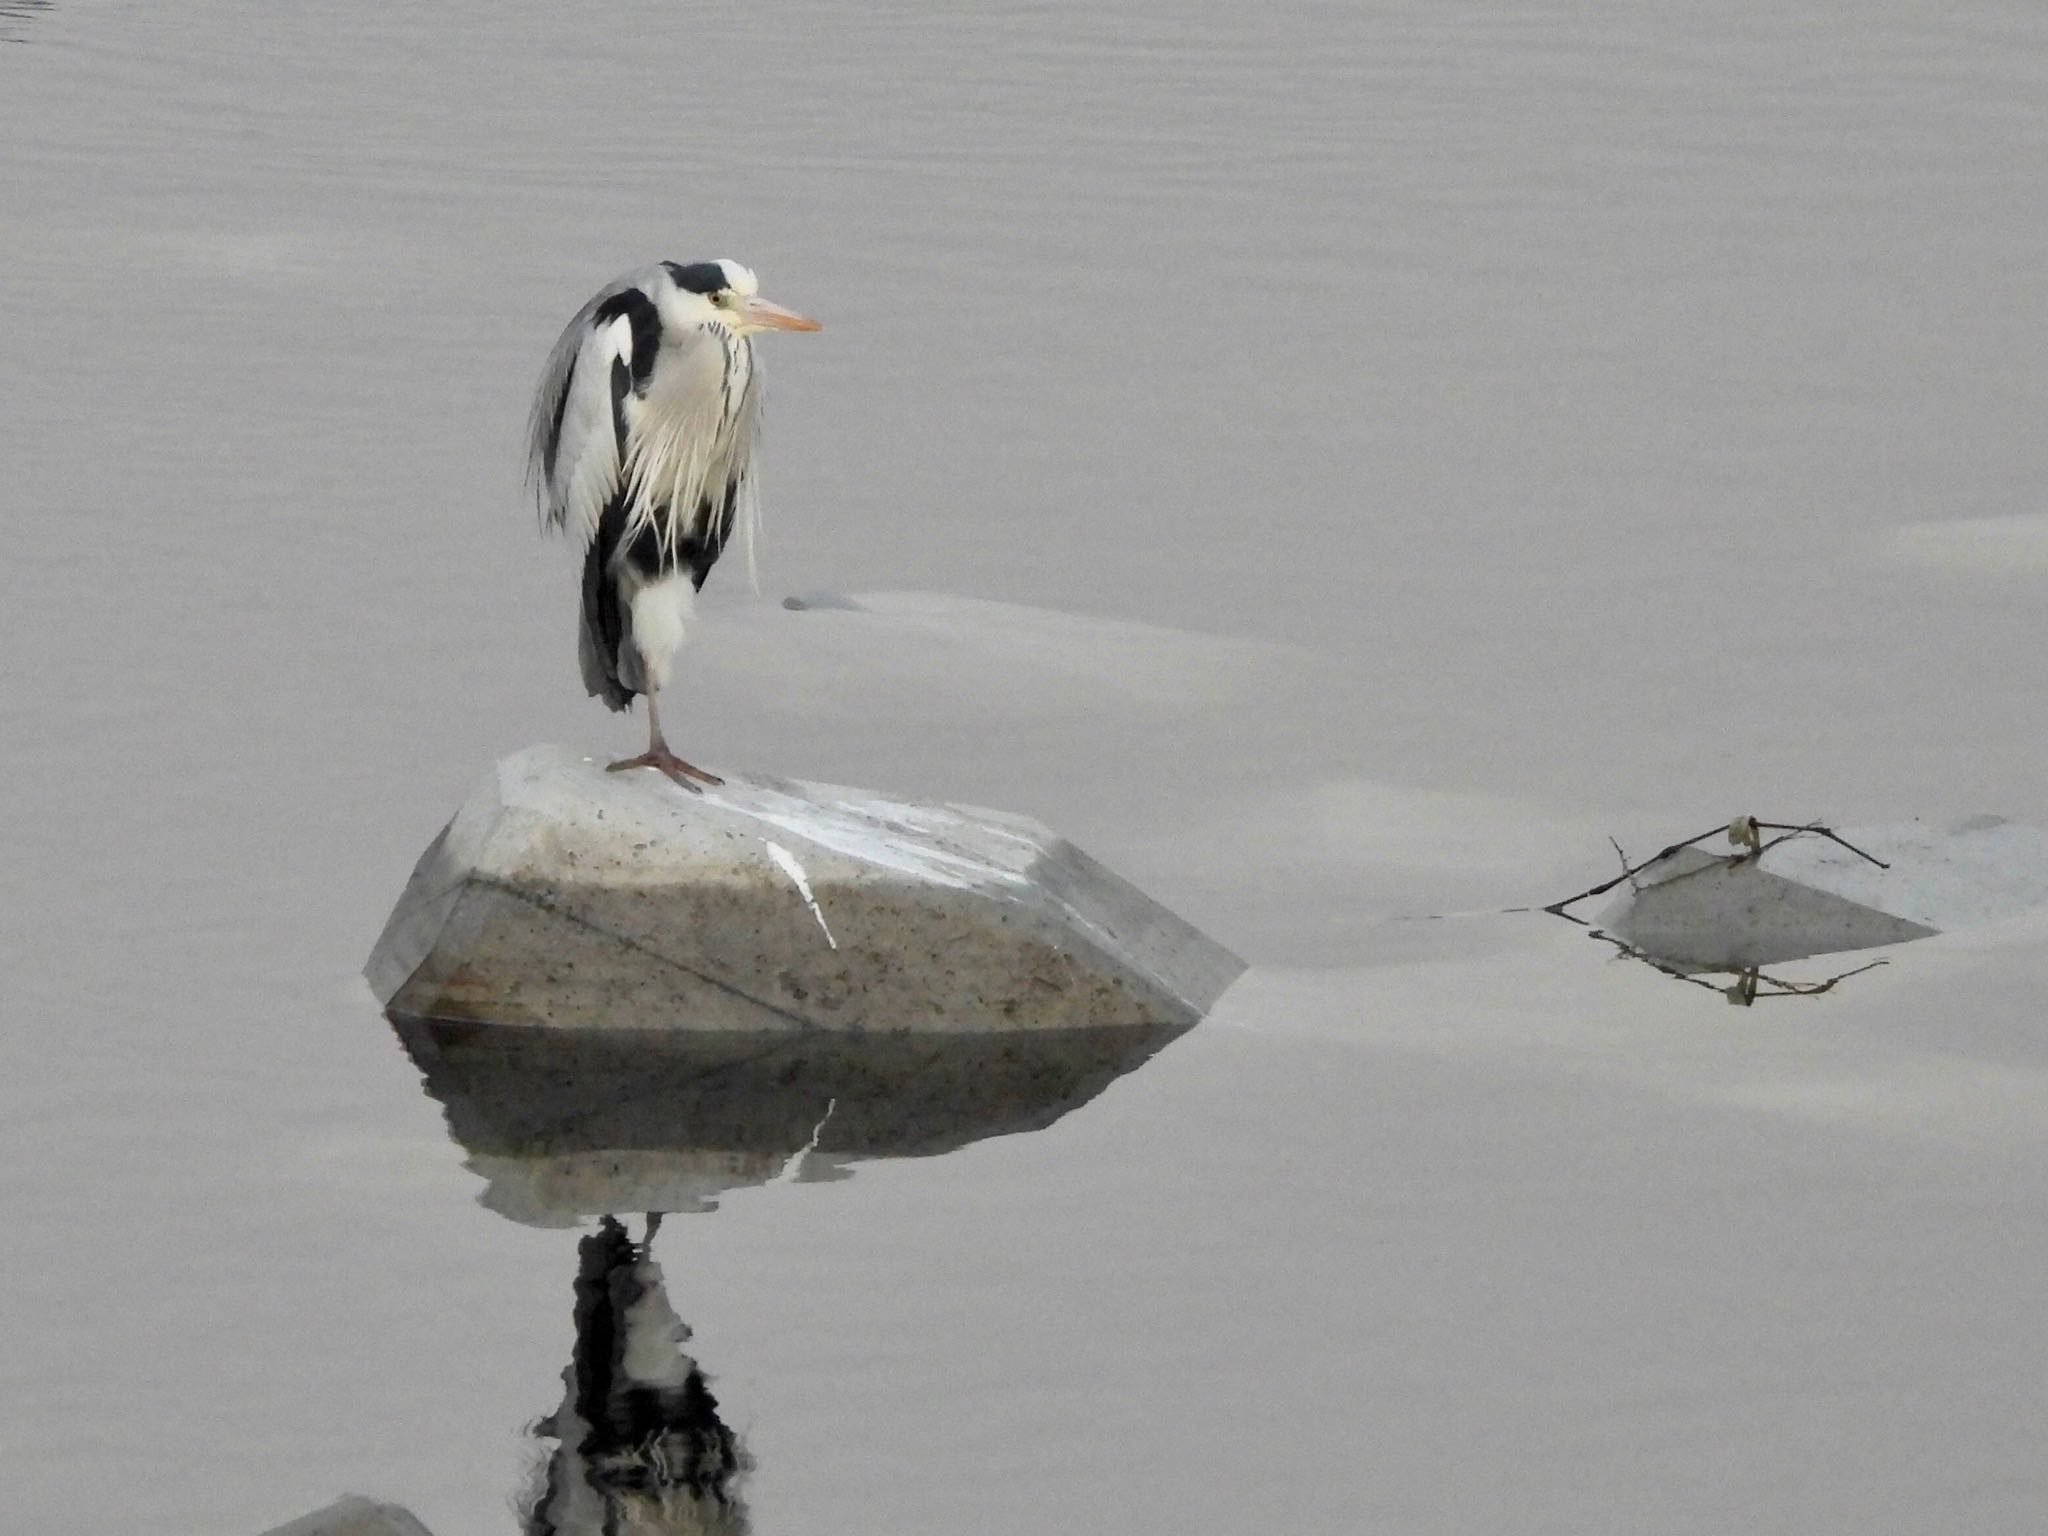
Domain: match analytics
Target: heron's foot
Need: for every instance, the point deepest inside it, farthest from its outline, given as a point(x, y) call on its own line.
point(660, 757)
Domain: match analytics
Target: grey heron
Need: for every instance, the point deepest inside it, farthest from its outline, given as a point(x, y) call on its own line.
point(642, 441)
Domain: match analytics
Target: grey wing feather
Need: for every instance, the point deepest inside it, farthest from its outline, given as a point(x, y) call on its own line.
point(573, 461)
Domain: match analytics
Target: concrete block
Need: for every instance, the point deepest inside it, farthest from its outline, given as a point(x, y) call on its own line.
point(1809, 895)
point(568, 897)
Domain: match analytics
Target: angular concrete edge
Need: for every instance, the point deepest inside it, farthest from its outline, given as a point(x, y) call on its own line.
point(437, 883)
point(1188, 965)
point(354, 1515)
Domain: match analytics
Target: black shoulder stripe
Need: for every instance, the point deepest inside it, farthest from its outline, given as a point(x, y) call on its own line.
point(698, 276)
point(645, 320)
point(622, 381)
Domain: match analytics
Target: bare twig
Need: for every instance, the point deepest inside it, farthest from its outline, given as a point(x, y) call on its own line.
point(1628, 872)
point(1751, 850)
point(1816, 828)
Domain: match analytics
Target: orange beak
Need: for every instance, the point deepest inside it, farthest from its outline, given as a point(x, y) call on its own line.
point(773, 317)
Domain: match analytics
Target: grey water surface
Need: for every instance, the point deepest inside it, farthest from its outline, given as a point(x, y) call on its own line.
point(1337, 462)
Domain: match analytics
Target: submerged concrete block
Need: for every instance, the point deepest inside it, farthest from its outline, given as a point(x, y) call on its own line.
point(354, 1515)
point(565, 896)
point(1808, 895)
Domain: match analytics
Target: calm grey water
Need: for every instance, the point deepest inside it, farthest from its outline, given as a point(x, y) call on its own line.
point(1370, 452)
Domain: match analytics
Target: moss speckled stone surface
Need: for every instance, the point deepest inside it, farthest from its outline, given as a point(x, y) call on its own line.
point(566, 896)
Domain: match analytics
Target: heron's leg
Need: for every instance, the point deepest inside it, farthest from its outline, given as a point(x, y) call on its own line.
point(659, 756)
point(656, 742)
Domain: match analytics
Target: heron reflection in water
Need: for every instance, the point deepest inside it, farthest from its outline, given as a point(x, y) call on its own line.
point(639, 1447)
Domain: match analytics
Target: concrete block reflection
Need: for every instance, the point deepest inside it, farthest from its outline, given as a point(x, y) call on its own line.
point(565, 1125)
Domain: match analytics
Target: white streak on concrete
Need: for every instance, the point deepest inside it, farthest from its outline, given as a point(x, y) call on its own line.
point(787, 863)
point(855, 830)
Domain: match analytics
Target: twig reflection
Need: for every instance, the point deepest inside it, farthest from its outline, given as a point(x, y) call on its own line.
point(1748, 986)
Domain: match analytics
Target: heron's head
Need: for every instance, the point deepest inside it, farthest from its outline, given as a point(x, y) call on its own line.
point(725, 293)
